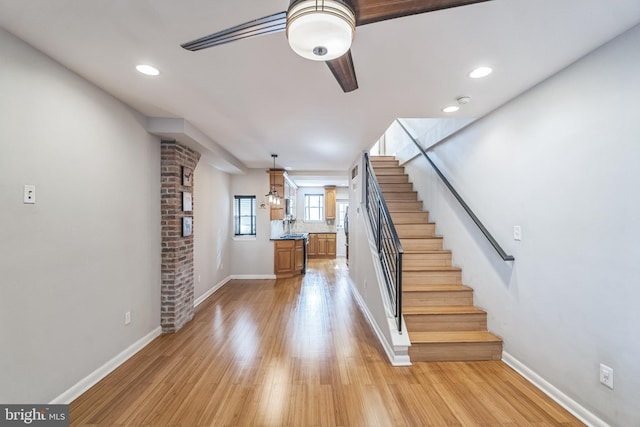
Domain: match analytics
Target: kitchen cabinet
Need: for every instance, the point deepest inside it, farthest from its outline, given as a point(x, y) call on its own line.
point(298, 256)
point(329, 203)
point(312, 247)
point(276, 179)
point(287, 190)
point(322, 245)
point(330, 245)
point(288, 257)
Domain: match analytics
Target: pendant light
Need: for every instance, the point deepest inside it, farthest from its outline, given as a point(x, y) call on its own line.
point(273, 198)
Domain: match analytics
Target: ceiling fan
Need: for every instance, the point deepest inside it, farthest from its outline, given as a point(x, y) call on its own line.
point(322, 30)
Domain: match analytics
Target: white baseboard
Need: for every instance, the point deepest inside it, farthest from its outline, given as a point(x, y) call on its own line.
point(399, 357)
point(211, 291)
point(90, 380)
point(579, 411)
point(253, 276)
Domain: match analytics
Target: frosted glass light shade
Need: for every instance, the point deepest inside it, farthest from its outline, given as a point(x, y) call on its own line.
point(320, 30)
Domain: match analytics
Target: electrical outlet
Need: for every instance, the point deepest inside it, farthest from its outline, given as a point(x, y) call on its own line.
point(606, 376)
point(517, 232)
point(127, 318)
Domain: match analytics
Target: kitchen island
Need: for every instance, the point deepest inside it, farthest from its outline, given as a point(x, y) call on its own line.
point(290, 255)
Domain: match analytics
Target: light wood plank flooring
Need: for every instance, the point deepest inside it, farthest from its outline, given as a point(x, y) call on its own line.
point(298, 352)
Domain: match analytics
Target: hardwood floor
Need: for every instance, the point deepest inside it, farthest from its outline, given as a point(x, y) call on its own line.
point(298, 352)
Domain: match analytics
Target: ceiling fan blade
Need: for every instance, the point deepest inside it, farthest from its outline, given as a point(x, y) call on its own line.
point(342, 69)
point(369, 11)
point(267, 25)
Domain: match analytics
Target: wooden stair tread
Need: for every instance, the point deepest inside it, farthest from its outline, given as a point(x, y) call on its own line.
point(452, 337)
point(450, 309)
point(435, 288)
point(391, 192)
point(430, 269)
point(419, 223)
point(432, 252)
point(402, 209)
point(414, 251)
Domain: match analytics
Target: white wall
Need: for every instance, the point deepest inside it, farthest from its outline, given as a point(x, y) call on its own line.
point(362, 256)
point(213, 216)
point(89, 250)
point(562, 162)
point(253, 257)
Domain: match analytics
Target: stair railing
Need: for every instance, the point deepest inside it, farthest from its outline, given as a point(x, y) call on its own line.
point(387, 241)
point(466, 207)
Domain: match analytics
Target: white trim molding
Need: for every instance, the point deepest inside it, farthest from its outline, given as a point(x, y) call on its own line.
point(211, 291)
point(579, 411)
point(398, 354)
point(253, 276)
point(93, 378)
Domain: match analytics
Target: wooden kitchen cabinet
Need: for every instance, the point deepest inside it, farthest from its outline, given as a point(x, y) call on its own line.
point(298, 256)
point(288, 257)
point(322, 245)
point(312, 247)
point(287, 190)
point(283, 257)
point(331, 245)
point(276, 178)
point(329, 203)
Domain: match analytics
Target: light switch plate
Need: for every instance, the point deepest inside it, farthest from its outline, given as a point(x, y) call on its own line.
point(29, 194)
point(517, 232)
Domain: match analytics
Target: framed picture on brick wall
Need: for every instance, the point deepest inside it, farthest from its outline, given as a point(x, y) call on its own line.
point(187, 202)
point(187, 176)
point(187, 226)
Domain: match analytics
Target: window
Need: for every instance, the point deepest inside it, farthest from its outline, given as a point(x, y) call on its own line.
point(314, 207)
point(244, 215)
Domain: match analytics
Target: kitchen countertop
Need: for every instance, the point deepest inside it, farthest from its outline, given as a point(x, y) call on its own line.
point(294, 236)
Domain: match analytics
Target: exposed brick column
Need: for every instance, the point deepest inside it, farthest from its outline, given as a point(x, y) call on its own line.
point(176, 307)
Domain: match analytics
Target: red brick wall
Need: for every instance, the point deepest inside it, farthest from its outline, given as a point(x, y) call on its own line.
point(176, 307)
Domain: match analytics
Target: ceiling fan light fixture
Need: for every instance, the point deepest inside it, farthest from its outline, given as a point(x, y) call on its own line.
point(320, 30)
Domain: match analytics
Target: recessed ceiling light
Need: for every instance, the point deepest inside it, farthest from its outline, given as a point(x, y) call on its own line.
point(147, 69)
point(480, 72)
point(451, 109)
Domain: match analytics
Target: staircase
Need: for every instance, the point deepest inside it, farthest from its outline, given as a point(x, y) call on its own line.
point(442, 322)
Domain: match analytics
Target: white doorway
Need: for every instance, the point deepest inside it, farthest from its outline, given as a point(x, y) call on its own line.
point(341, 240)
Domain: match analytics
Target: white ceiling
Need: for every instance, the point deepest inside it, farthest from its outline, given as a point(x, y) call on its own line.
point(256, 97)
